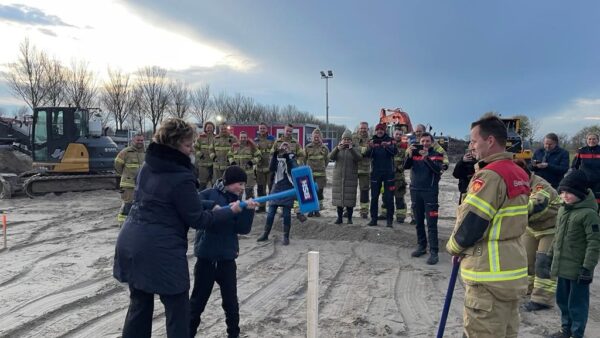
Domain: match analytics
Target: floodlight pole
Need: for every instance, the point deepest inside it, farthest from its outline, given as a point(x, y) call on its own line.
point(326, 77)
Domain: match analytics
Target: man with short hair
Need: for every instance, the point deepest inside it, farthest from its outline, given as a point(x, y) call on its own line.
point(487, 235)
point(381, 149)
point(204, 163)
point(316, 158)
point(361, 139)
point(426, 169)
point(127, 164)
point(264, 142)
point(588, 160)
point(219, 150)
point(245, 154)
point(550, 162)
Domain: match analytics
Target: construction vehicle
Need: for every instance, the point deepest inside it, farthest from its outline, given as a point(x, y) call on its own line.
point(69, 153)
point(515, 142)
point(399, 119)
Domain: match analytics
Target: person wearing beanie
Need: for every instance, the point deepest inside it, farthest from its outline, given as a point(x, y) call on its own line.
point(345, 176)
point(216, 252)
point(381, 149)
point(574, 253)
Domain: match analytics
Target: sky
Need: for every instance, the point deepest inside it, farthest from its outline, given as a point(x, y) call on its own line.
point(444, 62)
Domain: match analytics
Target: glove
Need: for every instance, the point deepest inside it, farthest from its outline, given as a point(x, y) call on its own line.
point(543, 263)
point(585, 276)
point(444, 167)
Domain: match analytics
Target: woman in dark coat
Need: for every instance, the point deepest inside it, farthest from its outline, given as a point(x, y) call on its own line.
point(151, 248)
point(345, 176)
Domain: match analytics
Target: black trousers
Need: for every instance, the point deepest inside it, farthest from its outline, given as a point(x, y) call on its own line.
point(425, 206)
point(206, 273)
point(387, 179)
point(573, 300)
point(138, 323)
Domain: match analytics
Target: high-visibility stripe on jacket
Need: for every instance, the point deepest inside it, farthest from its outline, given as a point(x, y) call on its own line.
point(127, 164)
point(489, 225)
point(542, 207)
point(317, 158)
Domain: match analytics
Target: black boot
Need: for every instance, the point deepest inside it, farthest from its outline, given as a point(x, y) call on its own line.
point(265, 234)
point(286, 234)
point(300, 217)
point(420, 251)
point(373, 222)
point(349, 212)
point(340, 212)
point(433, 258)
point(317, 214)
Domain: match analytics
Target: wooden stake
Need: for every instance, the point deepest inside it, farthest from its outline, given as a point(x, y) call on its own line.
point(312, 296)
point(4, 229)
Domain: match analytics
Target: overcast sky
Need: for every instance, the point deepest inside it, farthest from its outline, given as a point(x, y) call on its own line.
point(444, 62)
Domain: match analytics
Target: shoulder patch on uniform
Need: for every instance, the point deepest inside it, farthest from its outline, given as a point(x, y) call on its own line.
point(539, 187)
point(477, 185)
point(595, 228)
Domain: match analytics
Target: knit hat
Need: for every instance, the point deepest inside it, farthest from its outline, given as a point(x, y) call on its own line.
point(234, 174)
point(576, 183)
point(347, 134)
point(380, 126)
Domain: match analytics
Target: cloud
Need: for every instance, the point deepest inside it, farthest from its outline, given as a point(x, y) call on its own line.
point(47, 32)
point(577, 114)
point(29, 15)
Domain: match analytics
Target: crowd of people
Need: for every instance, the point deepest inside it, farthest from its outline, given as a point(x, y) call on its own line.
point(521, 228)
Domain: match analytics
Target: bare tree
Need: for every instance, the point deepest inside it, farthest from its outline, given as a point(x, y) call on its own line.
point(154, 94)
point(202, 104)
point(221, 105)
point(247, 110)
point(180, 99)
point(56, 82)
point(579, 139)
point(27, 77)
point(234, 105)
point(81, 85)
point(117, 96)
point(136, 115)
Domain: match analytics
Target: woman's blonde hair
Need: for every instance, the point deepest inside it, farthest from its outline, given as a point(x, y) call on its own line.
point(173, 131)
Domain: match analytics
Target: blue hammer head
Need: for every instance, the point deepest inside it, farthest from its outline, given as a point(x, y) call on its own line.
point(306, 189)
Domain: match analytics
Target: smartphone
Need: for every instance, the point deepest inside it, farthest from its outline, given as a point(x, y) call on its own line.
point(418, 147)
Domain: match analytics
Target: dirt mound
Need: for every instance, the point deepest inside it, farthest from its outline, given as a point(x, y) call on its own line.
point(14, 162)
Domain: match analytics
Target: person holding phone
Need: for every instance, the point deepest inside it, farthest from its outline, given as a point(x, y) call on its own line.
point(426, 169)
point(550, 162)
point(463, 171)
point(345, 176)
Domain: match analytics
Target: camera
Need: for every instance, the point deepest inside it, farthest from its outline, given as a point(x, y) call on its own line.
point(418, 147)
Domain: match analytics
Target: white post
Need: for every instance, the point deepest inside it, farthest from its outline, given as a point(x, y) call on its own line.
point(312, 296)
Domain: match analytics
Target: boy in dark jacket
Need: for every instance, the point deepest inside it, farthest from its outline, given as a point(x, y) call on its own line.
point(574, 253)
point(217, 252)
point(426, 168)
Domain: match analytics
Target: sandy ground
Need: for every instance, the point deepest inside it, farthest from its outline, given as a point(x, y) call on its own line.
point(56, 277)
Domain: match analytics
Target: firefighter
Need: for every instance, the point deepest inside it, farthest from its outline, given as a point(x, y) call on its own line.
point(420, 129)
point(204, 163)
point(361, 140)
point(293, 147)
point(219, 150)
point(245, 154)
point(382, 149)
point(317, 159)
point(588, 160)
point(543, 209)
point(127, 164)
point(426, 166)
point(487, 235)
point(400, 181)
point(264, 142)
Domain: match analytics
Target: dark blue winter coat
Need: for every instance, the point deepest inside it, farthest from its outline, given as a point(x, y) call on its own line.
point(382, 157)
point(558, 164)
point(223, 245)
point(425, 170)
point(151, 248)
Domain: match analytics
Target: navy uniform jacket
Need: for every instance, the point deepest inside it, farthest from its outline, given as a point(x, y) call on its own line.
point(425, 170)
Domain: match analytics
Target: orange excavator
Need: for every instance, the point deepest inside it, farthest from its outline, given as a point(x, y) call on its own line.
point(396, 119)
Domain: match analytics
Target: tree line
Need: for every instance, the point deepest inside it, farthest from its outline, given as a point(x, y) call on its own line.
point(130, 99)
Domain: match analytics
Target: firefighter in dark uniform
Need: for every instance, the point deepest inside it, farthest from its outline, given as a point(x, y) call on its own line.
point(382, 149)
point(127, 164)
point(264, 142)
point(204, 163)
point(426, 169)
point(587, 159)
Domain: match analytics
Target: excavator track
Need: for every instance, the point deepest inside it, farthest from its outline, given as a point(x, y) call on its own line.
point(40, 184)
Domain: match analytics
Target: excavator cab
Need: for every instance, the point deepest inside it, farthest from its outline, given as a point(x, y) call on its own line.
point(515, 141)
point(70, 140)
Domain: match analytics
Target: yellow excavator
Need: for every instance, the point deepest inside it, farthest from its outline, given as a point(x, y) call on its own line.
point(69, 152)
point(516, 143)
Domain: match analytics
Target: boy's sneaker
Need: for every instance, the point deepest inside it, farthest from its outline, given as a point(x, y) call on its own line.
point(301, 217)
point(534, 306)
